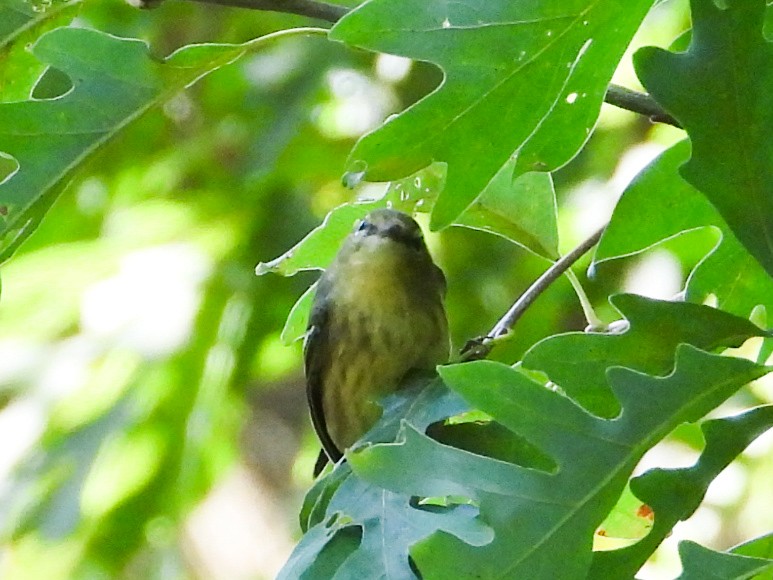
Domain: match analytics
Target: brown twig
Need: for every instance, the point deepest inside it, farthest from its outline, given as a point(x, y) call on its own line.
point(311, 8)
point(319, 10)
point(638, 103)
point(479, 348)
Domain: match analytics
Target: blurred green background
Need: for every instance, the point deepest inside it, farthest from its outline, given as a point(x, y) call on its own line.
point(153, 425)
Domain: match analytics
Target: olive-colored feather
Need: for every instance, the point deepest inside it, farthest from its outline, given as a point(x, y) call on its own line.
point(377, 315)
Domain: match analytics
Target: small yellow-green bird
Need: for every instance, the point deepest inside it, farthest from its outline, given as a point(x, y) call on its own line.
point(377, 315)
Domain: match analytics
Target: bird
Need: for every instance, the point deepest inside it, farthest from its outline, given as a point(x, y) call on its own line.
point(378, 314)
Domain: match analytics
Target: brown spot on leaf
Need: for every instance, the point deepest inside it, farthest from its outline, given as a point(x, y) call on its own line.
point(645, 511)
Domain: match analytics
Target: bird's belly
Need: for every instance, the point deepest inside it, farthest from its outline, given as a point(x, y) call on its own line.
point(376, 347)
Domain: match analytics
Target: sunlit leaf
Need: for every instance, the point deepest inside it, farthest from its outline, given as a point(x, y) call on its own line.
point(536, 94)
point(114, 81)
point(21, 22)
point(522, 210)
point(319, 247)
point(659, 204)
point(630, 520)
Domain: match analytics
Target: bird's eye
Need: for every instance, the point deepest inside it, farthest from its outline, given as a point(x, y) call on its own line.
point(409, 238)
point(362, 226)
point(395, 232)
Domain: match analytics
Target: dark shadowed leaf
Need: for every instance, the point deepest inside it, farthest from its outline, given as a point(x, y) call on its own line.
point(723, 100)
point(699, 563)
point(675, 494)
point(579, 362)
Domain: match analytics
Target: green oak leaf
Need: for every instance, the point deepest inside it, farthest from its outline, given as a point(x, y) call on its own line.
point(561, 475)
point(675, 494)
point(297, 320)
point(544, 522)
point(520, 209)
point(524, 78)
point(719, 90)
point(761, 547)
point(356, 530)
point(318, 248)
point(699, 563)
point(21, 22)
point(658, 204)
point(114, 81)
point(579, 362)
point(388, 524)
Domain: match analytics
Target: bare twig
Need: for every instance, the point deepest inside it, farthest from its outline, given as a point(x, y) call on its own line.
point(320, 10)
point(480, 347)
point(638, 103)
point(311, 8)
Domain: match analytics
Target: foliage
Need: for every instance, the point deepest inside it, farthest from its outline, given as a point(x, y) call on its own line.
point(149, 159)
point(536, 514)
point(727, 60)
point(555, 49)
point(48, 137)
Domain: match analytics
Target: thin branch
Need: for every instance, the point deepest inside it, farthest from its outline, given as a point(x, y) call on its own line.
point(638, 103)
point(480, 347)
point(320, 10)
point(311, 8)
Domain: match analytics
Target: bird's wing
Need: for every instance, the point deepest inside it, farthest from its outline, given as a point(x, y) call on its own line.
point(316, 353)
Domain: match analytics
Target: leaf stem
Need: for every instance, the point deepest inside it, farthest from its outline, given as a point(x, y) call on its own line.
point(480, 347)
point(594, 322)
